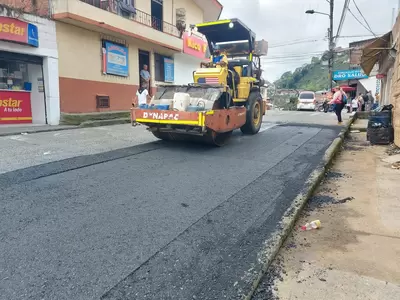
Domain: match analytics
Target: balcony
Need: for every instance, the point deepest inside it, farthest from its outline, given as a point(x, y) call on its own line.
point(114, 16)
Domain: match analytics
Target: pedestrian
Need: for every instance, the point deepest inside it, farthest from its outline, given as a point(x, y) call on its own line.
point(365, 102)
point(348, 105)
point(360, 101)
point(354, 104)
point(338, 103)
point(142, 96)
point(145, 77)
point(371, 100)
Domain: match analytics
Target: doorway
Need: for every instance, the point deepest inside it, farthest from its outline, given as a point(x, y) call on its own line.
point(157, 14)
point(144, 59)
point(21, 76)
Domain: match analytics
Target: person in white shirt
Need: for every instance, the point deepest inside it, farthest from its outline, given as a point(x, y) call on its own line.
point(354, 104)
point(142, 96)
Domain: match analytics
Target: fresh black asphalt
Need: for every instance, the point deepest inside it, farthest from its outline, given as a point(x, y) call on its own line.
point(155, 221)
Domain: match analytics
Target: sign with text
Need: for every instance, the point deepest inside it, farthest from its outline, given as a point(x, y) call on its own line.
point(115, 59)
point(194, 46)
point(168, 70)
point(15, 107)
point(18, 31)
point(348, 75)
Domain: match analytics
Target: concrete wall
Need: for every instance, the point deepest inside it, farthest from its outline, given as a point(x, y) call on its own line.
point(38, 7)
point(194, 14)
point(395, 89)
point(81, 82)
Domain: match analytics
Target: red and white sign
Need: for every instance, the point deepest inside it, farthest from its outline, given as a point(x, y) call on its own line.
point(18, 31)
point(15, 107)
point(194, 46)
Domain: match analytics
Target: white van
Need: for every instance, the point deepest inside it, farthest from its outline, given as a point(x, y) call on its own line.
point(307, 101)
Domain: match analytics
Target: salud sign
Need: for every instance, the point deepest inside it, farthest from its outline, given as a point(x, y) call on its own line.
point(17, 31)
point(348, 75)
point(194, 46)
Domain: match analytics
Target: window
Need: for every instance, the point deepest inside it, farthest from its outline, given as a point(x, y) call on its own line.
point(307, 96)
point(159, 67)
point(13, 75)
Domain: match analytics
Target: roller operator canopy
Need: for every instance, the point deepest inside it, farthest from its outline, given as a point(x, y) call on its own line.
point(225, 31)
point(233, 32)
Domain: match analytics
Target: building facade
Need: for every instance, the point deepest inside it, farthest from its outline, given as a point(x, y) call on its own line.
point(103, 45)
point(29, 89)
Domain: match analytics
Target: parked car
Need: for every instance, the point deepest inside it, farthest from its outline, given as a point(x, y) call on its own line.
point(306, 101)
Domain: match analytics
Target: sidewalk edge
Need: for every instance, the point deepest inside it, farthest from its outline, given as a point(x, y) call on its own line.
point(37, 131)
point(273, 244)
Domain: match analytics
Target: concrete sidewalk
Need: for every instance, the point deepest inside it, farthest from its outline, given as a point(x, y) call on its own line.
point(355, 255)
point(7, 130)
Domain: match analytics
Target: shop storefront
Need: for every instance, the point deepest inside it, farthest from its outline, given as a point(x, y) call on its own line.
point(194, 52)
point(28, 71)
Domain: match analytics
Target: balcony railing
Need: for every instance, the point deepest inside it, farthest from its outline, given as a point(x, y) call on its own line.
point(120, 8)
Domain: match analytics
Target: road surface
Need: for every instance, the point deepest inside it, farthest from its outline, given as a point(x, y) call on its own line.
point(150, 221)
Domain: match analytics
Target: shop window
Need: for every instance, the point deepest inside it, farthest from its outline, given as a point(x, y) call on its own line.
point(14, 75)
point(159, 68)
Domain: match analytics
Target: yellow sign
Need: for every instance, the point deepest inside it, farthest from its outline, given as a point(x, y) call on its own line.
point(10, 103)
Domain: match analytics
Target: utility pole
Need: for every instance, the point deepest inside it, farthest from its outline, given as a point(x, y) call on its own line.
point(331, 45)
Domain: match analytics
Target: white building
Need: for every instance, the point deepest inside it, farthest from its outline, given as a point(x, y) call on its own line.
point(29, 90)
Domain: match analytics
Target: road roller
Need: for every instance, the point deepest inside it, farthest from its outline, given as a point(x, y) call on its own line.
point(221, 98)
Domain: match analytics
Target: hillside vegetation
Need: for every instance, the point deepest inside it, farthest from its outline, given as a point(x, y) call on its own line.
point(312, 76)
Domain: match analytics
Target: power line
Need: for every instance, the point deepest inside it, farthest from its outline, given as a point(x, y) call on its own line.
point(289, 43)
point(354, 1)
point(361, 22)
point(342, 19)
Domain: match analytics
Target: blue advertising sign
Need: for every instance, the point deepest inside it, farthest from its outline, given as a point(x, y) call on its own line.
point(116, 59)
point(33, 35)
point(168, 70)
point(348, 74)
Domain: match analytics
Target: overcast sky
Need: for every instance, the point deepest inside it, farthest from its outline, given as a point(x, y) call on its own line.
point(284, 21)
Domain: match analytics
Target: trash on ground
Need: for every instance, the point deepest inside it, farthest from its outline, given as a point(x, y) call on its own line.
point(355, 131)
point(24, 133)
point(396, 165)
point(312, 225)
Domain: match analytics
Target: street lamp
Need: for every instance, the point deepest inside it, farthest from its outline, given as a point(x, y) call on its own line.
point(330, 15)
point(311, 12)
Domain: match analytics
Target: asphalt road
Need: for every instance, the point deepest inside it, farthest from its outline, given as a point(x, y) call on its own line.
point(152, 221)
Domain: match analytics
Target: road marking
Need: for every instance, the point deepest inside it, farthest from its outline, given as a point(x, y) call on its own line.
point(267, 126)
point(315, 114)
point(17, 138)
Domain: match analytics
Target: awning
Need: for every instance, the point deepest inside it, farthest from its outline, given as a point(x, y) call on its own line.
point(371, 53)
point(347, 88)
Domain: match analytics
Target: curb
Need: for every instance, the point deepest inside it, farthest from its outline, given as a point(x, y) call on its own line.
point(37, 131)
point(98, 123)
point(71, 127)
point(273, 244)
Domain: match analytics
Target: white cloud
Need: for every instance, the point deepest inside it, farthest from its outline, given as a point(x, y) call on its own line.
point(285, 21)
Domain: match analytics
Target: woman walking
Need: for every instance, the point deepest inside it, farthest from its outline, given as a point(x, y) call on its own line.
point(339, 103)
